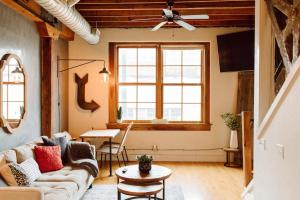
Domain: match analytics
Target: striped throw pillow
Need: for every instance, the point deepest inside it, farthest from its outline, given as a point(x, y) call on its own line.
point(31, 169)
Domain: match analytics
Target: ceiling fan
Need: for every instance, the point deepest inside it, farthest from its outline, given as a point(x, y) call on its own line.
point(170, 16)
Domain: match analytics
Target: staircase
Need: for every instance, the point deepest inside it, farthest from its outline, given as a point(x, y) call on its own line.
point(276, 146)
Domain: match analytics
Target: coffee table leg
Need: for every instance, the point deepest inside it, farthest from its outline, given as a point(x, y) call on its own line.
point(119, 195)
point(110, 162)
point(163, 189)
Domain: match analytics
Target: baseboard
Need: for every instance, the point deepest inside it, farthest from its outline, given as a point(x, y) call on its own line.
point(186, 156)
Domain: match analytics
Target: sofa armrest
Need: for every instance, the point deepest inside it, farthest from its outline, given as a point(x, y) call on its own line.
point(24, 193)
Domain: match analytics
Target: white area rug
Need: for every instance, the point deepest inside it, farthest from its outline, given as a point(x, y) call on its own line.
point(109, 192)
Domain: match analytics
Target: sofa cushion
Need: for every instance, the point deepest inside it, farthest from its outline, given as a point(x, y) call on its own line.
point(68, 173)
point(10, 156)
point(31, 168)
point(58, 190)
point(24, 152)
point(48, 158)
point(61, 141)
point(14, 175)
point(2, 163)
point(62, 134)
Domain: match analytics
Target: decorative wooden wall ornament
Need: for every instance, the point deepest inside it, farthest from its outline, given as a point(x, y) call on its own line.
point(92, 106)
point(288, 50)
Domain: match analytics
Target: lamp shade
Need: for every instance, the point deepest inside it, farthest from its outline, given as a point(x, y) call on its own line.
point(104, 72)
point(17, 75)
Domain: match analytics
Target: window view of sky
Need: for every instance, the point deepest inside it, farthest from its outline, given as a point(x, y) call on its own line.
point(181, 83)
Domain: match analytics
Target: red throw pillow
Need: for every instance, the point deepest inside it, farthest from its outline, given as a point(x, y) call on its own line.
point(48, 158)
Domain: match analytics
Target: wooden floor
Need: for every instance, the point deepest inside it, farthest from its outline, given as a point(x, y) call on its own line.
point(199, 181)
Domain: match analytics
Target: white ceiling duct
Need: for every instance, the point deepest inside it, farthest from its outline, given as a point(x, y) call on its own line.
point(72, 3)
point(71, 18)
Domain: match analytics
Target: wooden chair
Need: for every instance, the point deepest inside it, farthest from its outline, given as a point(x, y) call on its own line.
point(117, 149)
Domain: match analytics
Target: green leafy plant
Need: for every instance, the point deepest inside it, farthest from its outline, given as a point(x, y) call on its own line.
point(144, 158)
point(119, 113)
point(231, 120)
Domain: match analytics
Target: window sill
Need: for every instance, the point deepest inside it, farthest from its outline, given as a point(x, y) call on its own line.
point(162, 127)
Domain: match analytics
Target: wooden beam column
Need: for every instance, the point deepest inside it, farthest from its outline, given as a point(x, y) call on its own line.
point(247, 147)
point(46, 63)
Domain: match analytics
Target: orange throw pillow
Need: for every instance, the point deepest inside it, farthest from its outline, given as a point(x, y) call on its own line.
point(48, 158)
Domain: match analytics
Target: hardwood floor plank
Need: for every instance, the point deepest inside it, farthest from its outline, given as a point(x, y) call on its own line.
point(199, 181)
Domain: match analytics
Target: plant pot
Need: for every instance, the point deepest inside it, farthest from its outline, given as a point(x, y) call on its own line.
point(145, 167)
point(233, 140)
point(119, 121)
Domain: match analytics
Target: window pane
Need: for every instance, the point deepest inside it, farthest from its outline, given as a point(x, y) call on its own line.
point(13, 62)
point(172, 57)
point(191, 112)
point(129, 111)
point(4, 92)
point(5, 74)
point(127, 56)
point(127, 74)
point(146, 56)
point(146, 94)
point(127, 94)
point(172, 94)
point(172, 112)
point(147, 74)
point(146, 111)
point(172, 74)
point(191, 74)
point(14, 110)
point(16, 93)
point(4, 107)
point(191, 57)
point(191, 94)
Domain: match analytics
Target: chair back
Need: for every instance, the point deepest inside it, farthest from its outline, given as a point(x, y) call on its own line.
point(124, 137)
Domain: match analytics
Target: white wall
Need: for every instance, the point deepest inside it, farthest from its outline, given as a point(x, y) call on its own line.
point(223, 94)
point(278, 177)
point(19, 36)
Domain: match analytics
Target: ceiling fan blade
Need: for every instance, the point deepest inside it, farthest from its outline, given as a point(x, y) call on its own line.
point(159, 25)
point(194, 17)
point(185, 25)
point(168, 13)
point(146, 19)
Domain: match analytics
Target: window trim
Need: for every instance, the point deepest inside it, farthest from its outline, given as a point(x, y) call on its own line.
point(147, 125)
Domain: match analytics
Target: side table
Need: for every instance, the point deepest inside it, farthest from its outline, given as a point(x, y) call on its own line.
point(229, 152)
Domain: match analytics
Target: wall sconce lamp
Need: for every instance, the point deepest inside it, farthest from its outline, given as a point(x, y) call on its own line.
point(104, 72)
point(17, 75)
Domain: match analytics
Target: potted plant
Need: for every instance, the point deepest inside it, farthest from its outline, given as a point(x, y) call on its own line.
point(119, 115)
point(145, 163)
point(232, 121)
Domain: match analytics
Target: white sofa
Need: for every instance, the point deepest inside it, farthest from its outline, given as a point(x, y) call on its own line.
point(68, 183)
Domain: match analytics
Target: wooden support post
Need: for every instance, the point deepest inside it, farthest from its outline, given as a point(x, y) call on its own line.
point(46, 63)
point(247, 147)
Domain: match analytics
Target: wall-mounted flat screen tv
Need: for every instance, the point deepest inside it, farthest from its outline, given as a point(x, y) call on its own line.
point(236, 51)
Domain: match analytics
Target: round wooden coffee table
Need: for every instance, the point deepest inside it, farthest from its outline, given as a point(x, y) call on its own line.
point(132, 182)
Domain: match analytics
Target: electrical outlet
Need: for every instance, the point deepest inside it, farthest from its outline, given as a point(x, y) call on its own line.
point(262, 142)
point(280, 149)
point(154, 148)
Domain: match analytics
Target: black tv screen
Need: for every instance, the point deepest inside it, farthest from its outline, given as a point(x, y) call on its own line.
point(236, 51)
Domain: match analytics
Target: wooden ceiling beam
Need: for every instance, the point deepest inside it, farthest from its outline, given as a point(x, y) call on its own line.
point(32, 11)
point(150, 1)
point(214, 11)
point(151, 6)
point(158, 18)
point(224, 23)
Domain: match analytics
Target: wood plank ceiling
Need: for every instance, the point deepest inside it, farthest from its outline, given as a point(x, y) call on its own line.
point(120, 13)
